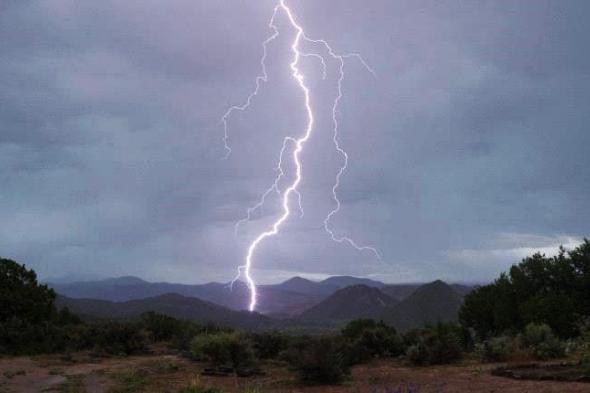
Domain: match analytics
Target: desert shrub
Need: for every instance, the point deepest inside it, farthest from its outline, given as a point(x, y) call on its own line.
point(117, 338)
point(495, 349)
point(535, 334)
point(542, 342)
point(445, 343)
point(355, 328)
point(417, 354)
point(440, 344)
point(320, 362)
point(295, 346)
point(411, 337)
point(177, 332)
point(161, 327)
point(78, 337)
point(224, 349)
point(549, 350)
point(18, 336)
point(367, 339)
point(269, 345)
point(584, 342)
point(184, 336)
point(584, 346)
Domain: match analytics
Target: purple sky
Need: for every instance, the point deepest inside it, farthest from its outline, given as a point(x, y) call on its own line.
point(468, 152)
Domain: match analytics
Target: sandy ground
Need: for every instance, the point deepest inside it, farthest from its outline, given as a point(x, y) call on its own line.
point(169, 373)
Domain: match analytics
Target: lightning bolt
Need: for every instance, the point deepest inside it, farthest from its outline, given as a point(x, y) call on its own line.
point(263, 77)
point(342, 152)
point(297, 144)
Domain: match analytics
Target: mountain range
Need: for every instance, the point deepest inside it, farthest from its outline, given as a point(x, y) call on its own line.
point(295, 302)
point(286, 299)
point(172, 304)
point(355, 301)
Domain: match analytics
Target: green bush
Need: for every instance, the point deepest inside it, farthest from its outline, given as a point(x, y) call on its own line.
point(19, 336)
point(368, 339)
point(224, 349)
point(161, 327)
point(440, 344)
point(535, 334)
point(183, 338)
point(542, 342)
point(584, 345)
point(354, 329)
point(269, 345)
point(295, 346)
point(548, 350)
point(320, 362)
point(584, 342)
point(417, 354)
point(411, 337)
point(117, 338)
point(178, 333)
point(496, 349)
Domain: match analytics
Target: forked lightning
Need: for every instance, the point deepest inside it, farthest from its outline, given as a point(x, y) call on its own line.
point(296, 144)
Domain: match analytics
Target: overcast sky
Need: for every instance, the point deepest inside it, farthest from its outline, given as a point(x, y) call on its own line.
point(468, 151)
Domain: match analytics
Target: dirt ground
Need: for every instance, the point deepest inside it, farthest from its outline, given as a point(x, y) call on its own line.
point(170, 373)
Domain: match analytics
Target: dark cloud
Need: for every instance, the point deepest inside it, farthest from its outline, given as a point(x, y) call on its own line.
point(468, 151)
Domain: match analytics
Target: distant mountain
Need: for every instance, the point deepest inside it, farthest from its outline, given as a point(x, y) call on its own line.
point(303, 285)
point(400, 291)
point(357, 301)
point(338, 282)
point(285, 300)
point(463, 289)
point(71, 277)
point(115, 289)
point(174, 305)
point(278, 302)
point(271, 298)
point(430, 303)
point(123, 281)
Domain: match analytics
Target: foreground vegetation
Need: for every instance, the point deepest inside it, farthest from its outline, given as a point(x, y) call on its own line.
point(538, 310)
point(550, 290)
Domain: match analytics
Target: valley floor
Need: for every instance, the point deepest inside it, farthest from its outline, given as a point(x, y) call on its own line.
point(170, 373)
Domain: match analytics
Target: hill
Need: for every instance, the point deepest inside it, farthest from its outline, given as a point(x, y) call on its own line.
point(400, 291)
point(303, 285)
point(337, 282)
point(284, 300)
point(271, 298)
point(174, 305)
point(463, 289)
point(430, 303)
point(357, 301)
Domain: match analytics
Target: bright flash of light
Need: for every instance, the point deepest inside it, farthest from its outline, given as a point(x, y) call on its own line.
point(296, 144)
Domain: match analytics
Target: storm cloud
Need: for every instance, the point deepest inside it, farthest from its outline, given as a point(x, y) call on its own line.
point(467, 151)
